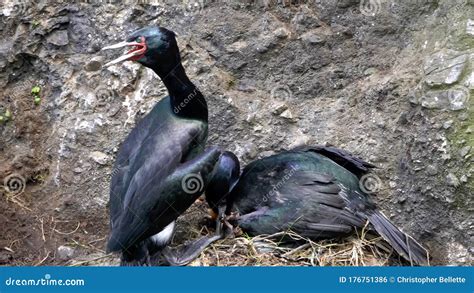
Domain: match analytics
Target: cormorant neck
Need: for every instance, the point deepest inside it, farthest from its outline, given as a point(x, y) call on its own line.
point(186, 99)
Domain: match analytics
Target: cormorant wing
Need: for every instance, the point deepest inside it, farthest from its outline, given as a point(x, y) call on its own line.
point(345, 159)
point(309, 203)
point(126, 155)
point(143, 166)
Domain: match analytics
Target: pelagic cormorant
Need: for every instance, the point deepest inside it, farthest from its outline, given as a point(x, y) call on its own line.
point(149, 187)
point(223, 179)
point(315, 192)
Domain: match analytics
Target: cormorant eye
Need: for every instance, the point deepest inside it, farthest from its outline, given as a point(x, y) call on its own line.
point(138, 40)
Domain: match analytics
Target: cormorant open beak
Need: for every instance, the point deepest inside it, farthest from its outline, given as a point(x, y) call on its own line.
point(137, 52)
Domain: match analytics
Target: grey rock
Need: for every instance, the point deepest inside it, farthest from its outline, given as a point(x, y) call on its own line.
point(464, 151)
point(452, 180)
point(261, 48)
point(287, 114)
point(248, 150)
point(266, 154)
point(370, 71)
point(99, 157)
point(431, 170)
point(279, 108)
point(402, 199)
point(58, 38)
point(65, 252)
point(447, 124)
point(454, 99)
point(281, 33)
point(435, 100)
point(5, 257)
point(258, 128)
point(304, 19)
point(237, 46)
point(312, 38)
point(458, 98)
point(444, 67)
point(470, 27)
point(301, 140)
point(56, 22)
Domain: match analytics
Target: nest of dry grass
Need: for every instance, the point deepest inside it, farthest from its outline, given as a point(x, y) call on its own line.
point(361, 249)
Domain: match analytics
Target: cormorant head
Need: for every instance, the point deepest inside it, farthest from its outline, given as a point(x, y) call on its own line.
point(154, 47)
point(225, 176)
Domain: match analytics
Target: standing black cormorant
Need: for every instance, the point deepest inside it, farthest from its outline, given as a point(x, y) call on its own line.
point(315, 192)
point(161, 167)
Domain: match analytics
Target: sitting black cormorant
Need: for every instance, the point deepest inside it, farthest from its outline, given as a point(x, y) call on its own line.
point(223, 179)
point(315, 192)
point(161, 167)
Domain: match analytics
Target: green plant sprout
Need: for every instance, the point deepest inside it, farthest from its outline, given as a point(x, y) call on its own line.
point(35, 23)
point(35, 91)
point(8, 114)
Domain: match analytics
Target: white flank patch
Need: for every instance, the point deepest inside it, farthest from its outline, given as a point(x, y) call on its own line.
point(164, 237)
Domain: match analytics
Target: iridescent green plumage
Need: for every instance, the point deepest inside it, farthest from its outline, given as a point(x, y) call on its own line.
point(165, 148)
point(315, 192)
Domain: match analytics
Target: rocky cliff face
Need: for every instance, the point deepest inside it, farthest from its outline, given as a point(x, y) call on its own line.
point(389, 81)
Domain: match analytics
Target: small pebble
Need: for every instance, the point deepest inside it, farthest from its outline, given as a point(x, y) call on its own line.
point(65, 252)
point(452, 180)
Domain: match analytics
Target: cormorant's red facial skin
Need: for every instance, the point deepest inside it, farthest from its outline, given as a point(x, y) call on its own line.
point(140, 49)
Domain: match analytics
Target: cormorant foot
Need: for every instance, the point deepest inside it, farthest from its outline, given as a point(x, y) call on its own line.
point(189, 252)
